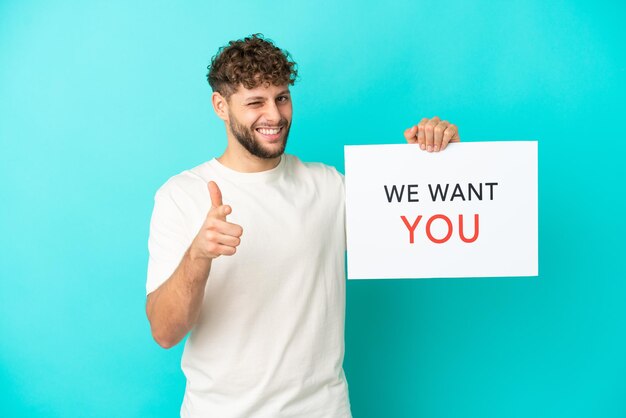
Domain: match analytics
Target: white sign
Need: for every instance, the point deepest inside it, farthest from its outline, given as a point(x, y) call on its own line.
point(467, 211)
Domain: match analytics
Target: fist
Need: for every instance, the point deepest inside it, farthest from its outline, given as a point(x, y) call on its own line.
point(216, 236)
point(432, 134)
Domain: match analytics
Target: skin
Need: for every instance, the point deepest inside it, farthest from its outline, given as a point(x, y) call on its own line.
point(432, 135)
point(173, 308)
point(264, 106)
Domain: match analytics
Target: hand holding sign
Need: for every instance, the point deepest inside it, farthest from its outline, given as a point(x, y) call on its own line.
point(432, 134)
point(216, 236)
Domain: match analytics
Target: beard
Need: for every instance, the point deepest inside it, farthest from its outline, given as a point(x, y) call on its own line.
point(246, 138)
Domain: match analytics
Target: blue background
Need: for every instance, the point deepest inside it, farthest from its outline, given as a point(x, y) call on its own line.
point(102, 101)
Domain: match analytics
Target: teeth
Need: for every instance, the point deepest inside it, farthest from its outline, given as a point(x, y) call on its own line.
point(268, 131)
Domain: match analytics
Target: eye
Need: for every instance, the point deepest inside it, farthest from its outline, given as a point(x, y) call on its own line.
point(282, 99)
point(254, 103)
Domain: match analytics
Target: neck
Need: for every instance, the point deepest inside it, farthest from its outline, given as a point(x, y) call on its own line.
point(245, 162)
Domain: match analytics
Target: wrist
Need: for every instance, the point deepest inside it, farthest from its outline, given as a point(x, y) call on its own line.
point(196, 256)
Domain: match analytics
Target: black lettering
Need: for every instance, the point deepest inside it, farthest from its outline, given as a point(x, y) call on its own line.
point(458, 192)
point(394, 191)
point(438, 191)
point(478, 193)
point(412, 191)
point(491, 189)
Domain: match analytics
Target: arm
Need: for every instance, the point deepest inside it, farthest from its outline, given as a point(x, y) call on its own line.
point(173, 308)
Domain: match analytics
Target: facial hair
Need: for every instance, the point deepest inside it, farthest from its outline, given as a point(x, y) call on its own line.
point(246, 138)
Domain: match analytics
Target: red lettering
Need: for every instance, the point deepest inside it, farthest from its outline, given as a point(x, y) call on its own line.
point(412, 227)
point(430, 236)
point(462, 235)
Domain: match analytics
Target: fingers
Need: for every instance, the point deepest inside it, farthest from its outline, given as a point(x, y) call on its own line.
point(421, 137)
point(215, 249)
point(451, 134)
point(218, 208)
point(223, 227)
point(438, 132)
point(410, 134)
point(216, 194)
point(217, 237)
point(429, 129)
point(434, 134)
point(220, 212)
point(222, 239)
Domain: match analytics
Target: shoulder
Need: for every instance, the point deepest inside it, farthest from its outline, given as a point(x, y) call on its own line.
point(318, 170)
point(185, 184)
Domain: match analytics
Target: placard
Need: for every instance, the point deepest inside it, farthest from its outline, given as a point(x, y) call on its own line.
point(467, 211)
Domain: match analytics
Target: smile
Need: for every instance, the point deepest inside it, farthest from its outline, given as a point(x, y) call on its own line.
point(269, 131)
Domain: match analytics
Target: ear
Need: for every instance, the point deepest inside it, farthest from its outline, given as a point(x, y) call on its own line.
point(220, 106)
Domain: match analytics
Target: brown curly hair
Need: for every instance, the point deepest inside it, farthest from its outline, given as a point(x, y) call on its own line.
point(252, 61)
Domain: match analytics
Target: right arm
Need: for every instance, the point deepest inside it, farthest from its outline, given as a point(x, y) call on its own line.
point(173, 308)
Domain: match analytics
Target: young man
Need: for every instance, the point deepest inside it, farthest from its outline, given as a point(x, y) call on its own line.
point(266, 322)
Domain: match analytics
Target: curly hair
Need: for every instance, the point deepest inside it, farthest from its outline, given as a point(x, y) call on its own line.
point(251, 62)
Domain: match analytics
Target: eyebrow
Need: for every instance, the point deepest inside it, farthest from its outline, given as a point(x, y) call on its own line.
point(263, 98)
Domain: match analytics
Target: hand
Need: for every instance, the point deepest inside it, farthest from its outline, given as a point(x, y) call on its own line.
point(432, 134)
point(216, 236)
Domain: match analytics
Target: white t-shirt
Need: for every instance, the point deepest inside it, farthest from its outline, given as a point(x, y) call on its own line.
point(269, 341)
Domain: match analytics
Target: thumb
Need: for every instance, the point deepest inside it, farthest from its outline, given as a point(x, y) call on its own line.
point(216, 195)
point(410, 134)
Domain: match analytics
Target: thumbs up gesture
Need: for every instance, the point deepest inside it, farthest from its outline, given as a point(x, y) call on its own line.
point(216, 236)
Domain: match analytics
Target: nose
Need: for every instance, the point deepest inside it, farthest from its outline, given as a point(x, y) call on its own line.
point(272, 113)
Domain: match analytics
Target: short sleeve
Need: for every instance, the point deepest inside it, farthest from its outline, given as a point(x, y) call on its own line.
point(168, 239)
point(342, 196)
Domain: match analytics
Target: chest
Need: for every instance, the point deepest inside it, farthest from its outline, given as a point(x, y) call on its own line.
point(283, 221)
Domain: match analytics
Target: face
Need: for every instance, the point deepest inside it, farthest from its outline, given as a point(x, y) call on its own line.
point(260, 119)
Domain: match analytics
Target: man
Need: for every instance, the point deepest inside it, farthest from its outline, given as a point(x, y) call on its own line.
point(267, 320)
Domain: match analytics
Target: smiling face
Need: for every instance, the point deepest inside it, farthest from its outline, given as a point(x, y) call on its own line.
point(260, 119)
point(250, 79)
